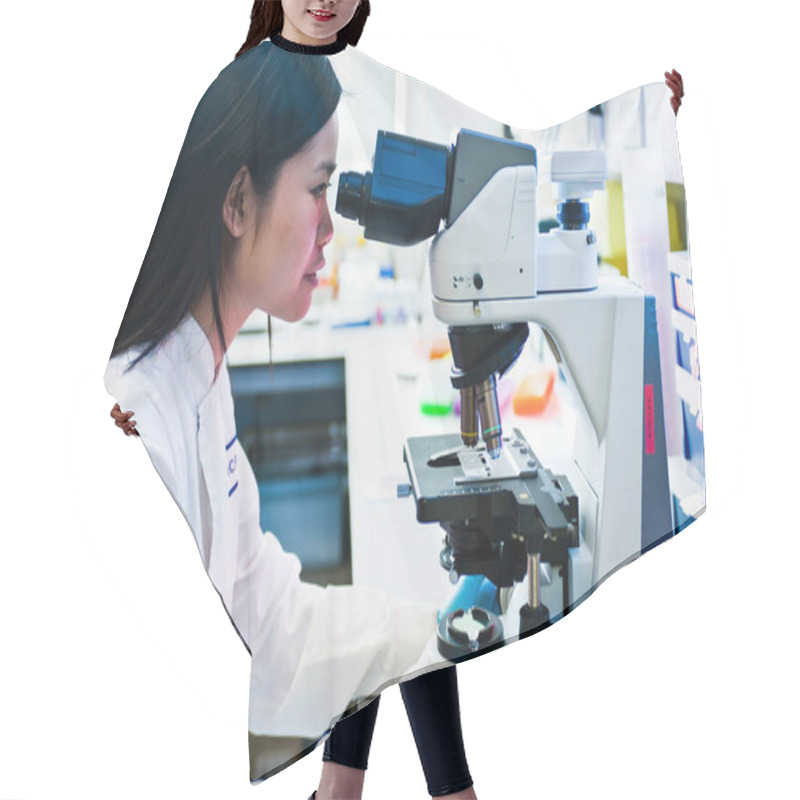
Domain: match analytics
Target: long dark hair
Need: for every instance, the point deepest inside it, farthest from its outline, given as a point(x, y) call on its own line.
point(266, 19)
point(261, 110)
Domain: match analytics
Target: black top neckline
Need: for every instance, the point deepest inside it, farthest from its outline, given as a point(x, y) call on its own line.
point(317, 50)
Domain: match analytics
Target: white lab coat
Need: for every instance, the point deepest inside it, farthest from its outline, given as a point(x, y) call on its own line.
point(313, 650)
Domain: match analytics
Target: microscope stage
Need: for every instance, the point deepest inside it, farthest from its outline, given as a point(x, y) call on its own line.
point(453, 482)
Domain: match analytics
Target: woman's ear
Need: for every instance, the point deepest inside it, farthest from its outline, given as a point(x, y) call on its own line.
point(237, 198)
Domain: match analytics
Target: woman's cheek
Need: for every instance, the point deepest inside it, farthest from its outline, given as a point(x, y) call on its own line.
point(312, 231)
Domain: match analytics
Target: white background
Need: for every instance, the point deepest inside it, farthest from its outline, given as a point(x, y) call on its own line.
point(119, 674)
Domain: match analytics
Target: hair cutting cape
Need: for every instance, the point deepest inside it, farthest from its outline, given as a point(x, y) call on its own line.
point(607, 398)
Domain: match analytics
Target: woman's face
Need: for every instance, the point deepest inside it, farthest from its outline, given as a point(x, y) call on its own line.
point(281, 251)
point(316, 22)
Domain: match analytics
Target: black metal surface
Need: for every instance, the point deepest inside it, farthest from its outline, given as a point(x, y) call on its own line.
point(491, 526)
point(538, 503)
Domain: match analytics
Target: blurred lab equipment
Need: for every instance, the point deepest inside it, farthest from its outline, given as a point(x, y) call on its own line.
point(298, 451)
point(492, 272)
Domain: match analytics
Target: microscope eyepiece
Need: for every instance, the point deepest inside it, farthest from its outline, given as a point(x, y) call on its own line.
point(404, 199)
point(352, 198)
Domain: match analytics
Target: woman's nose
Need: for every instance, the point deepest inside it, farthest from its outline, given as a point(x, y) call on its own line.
point(325, 228)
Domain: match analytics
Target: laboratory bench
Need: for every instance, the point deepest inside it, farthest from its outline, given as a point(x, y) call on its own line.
point(363, 386)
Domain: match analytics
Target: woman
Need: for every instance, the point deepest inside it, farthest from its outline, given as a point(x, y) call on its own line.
point(260, 246)
point(346, 755)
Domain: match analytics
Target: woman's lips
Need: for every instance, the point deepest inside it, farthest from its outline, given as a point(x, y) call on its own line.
point(322, 16)
point(311, 277)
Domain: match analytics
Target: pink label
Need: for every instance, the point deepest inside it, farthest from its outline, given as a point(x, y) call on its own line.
point(649, 420)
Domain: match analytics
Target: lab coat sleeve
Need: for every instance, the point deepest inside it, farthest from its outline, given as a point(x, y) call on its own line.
point(137, 395)
point(337, 645)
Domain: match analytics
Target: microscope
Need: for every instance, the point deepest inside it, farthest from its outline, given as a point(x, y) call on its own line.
point(506, 516)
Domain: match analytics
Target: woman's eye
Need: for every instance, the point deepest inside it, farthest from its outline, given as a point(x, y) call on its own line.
point(320, 190)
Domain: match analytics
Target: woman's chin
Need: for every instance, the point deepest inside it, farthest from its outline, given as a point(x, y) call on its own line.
point(294, 314)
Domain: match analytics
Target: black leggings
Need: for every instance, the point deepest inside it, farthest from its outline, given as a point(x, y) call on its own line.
point(432, 707)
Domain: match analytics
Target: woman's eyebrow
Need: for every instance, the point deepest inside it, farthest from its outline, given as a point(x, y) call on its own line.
point(326, 166)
